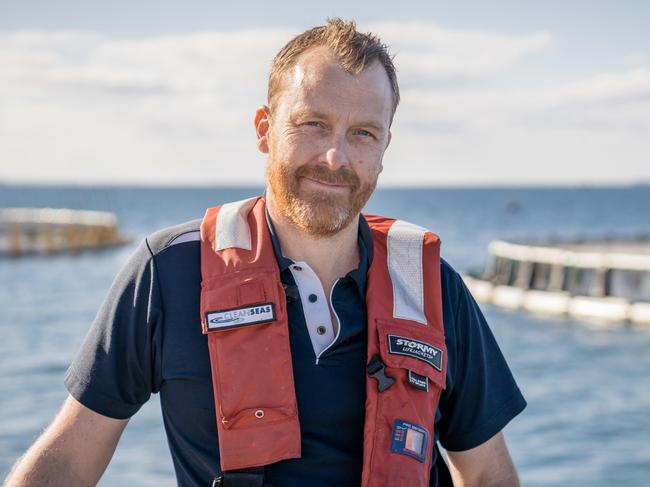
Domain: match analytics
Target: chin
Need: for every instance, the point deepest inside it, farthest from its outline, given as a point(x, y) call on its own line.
point(322, 218)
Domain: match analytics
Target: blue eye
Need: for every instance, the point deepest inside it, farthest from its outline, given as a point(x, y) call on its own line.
point(365, 133)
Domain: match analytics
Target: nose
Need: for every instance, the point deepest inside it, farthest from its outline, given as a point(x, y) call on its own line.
point(336, 154)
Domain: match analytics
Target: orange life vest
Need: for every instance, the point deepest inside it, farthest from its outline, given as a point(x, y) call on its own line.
point(244, 315)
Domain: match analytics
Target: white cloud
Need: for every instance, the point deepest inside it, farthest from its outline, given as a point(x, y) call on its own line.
point(428, 53)
point(86, 107)
point(609, 88)
point(618, 102)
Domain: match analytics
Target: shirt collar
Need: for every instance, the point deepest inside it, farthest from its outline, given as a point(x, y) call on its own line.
point(358, 275)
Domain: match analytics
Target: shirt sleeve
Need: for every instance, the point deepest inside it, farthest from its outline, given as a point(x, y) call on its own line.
point(481, 395)
point(113, 372)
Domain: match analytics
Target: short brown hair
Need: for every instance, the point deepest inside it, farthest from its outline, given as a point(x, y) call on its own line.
point(354, 51)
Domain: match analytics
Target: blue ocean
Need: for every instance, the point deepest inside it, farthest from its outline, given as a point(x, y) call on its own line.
point(587, 385)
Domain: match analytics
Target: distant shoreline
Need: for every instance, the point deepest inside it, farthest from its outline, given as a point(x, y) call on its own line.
point(380, 187)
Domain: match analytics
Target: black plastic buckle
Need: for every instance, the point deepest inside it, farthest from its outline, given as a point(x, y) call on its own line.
point(377, 370)
point(291, 292)
point(246, 477)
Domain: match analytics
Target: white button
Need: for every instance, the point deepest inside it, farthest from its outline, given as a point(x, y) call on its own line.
point(315, 306)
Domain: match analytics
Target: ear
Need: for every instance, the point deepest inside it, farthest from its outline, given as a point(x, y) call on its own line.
point(388, 139)
point(262, 124)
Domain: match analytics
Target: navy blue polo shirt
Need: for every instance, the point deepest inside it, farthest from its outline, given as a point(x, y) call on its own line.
point(147, 338)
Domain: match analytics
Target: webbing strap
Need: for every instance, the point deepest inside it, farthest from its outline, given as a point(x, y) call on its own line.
point(246, 477)
point(405, 243)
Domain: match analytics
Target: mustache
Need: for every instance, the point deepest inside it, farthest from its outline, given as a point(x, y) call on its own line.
point(343, 176)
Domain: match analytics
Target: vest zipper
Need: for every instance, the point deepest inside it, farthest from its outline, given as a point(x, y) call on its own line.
point(338, 328)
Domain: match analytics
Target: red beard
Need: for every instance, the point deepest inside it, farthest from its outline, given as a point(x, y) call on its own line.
point(318, 213)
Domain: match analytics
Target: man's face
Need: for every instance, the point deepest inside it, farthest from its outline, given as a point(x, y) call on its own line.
point(325, 139)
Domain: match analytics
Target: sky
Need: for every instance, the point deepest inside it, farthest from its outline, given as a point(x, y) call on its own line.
point(163, 93)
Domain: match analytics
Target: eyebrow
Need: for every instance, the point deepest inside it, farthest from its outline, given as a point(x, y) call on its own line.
point(379, 127)
point(306, 112)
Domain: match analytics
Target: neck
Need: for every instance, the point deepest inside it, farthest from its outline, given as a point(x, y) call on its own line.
point(330, 257)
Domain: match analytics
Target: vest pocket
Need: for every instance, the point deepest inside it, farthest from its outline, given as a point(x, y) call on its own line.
point(239, 299)
point(236, 289)
point(413, 347)
point(257, 416)
point(414, 355)
point(245, 321)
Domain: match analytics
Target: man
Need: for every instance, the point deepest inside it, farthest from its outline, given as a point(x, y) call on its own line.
point(293, 314)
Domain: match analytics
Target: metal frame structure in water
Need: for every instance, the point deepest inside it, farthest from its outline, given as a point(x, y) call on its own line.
point(605, 280)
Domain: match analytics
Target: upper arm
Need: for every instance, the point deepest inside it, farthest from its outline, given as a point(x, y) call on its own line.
point(481, 396)
point(74, 450)
point(488, 464)
point(118, 365)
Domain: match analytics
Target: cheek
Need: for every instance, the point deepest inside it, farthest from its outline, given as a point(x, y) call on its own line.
point(368, 159)
point(297, 147)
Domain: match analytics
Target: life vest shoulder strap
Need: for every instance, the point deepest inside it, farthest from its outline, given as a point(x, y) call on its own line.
point(243, 314)
point(405, 344)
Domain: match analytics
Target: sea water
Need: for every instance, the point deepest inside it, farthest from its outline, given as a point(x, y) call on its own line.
point(587, 385)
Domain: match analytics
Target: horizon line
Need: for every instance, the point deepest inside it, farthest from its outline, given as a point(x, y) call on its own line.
point(390, 186)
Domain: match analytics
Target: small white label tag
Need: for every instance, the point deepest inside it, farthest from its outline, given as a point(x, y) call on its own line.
point(419, 381)
point(235, 317)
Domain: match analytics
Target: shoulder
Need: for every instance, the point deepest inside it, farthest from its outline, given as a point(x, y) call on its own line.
point(458, 304)
point(460, 310)
point(455, 299)
point(451, 281)
point(149, 258)
point(165, 238)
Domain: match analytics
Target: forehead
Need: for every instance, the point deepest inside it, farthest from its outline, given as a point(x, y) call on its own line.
point(318, 81)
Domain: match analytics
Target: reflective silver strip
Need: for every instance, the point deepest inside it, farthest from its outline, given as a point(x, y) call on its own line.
point(405, 242)
point(190, 236)
point(232, 226)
